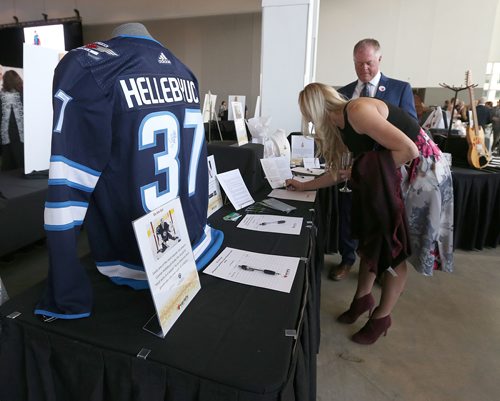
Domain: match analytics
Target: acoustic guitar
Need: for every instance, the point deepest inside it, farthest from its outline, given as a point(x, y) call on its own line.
point(478, 155)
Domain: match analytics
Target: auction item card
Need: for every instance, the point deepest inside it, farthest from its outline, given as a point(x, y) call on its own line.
point(168, 259)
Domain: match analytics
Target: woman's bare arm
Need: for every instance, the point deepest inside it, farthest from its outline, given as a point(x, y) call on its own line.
point(323, 181)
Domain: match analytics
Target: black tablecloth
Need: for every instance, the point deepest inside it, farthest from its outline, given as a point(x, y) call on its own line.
point(230, 344)
point(329, 223)
point(477, 208)
point(21, 210)
point(229, 156)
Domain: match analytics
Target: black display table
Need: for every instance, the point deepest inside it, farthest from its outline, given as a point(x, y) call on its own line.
point(234, 342)
point(477, 208)
point(22, 202)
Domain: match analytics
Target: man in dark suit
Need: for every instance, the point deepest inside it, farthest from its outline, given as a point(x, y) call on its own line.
point(483, 113)
point(367, 56)
point(371, 82)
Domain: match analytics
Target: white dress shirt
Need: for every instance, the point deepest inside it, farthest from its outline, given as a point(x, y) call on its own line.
point(372, 86)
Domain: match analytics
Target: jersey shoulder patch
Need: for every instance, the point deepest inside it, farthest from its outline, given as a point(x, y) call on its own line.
point(96, 53)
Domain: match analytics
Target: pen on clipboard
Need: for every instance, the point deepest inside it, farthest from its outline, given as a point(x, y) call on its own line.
point(265, 271)
point(265, 223)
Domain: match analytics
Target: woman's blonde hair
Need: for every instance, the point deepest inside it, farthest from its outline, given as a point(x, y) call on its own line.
point(316, 102)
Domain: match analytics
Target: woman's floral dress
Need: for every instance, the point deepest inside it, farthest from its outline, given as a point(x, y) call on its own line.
point(427, 189)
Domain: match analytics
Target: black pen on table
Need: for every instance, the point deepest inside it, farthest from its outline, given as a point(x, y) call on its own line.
point(251, 269)
point(272, 222)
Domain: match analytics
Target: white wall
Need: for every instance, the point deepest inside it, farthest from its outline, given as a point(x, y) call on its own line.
point(495, 41)
point(425, 42)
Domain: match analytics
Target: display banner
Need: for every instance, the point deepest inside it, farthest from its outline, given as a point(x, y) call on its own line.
point(209, 107)
point(239, 123)
point(39, 65)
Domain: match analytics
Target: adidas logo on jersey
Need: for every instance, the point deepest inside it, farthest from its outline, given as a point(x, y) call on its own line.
point(162, 59)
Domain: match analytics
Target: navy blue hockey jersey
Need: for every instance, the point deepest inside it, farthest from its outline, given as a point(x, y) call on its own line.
point(128, 137)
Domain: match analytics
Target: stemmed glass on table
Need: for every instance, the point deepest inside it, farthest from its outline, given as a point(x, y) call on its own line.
point(346, 164)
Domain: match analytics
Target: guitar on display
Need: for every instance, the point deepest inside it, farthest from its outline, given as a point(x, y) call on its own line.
point(477, 155)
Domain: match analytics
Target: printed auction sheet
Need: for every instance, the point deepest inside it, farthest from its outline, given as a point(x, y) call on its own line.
point(258, 269)
point(271, 223)
point(235, 189)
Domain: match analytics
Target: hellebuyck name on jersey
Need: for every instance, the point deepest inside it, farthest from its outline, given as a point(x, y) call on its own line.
point(153, 90)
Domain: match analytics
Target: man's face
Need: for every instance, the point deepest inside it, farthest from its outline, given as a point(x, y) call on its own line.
point(366, 63)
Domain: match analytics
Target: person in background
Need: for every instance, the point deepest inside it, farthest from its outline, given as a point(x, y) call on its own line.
point(483, 113)
point(461, 111)
point(420, 107)
point(223, 110)
point(11, 121)
point(495, 120)
point(399, 176)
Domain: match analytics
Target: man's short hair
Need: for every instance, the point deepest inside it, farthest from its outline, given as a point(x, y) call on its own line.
point(367, 42)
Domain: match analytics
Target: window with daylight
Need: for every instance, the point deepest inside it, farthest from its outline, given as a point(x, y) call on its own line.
point(492, 81)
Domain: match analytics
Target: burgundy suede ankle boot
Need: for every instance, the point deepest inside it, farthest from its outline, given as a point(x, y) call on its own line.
point(357, 308)
point(372, 330)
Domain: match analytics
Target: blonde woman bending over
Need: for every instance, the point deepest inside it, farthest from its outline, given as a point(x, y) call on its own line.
point(402, 195)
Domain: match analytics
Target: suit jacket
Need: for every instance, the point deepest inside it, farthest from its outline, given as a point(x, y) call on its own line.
point(393, 91)
point(483, 115)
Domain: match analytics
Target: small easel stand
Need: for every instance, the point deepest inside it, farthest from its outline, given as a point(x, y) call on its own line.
point(211, 118)
point(456, 90)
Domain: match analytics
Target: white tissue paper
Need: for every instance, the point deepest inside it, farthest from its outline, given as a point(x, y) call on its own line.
point(275, 144)
point(259, 128)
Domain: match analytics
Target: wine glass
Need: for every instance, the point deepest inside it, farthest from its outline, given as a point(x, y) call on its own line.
point(346, 163)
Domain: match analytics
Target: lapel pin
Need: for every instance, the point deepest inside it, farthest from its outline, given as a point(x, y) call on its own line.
point(381, 88)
